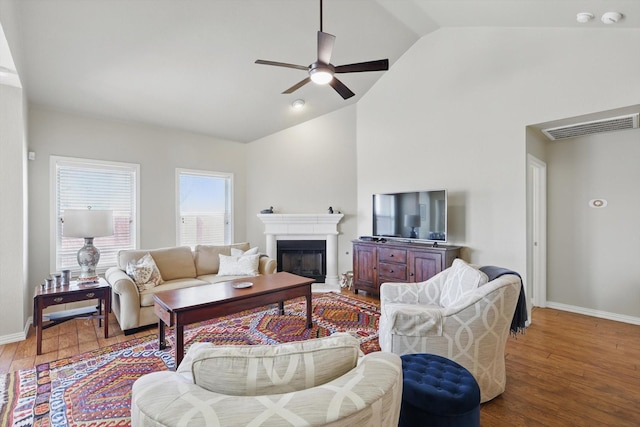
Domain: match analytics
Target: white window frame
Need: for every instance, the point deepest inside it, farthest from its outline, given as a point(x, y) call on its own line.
point(229, 199)
point(55, 217)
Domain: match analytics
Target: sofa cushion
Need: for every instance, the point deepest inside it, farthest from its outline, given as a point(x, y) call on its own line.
point(240, 252)
point(461, 281)
point(207, 259)
point(144, 272)
point(246, 265)
point(173, 263)
point(271, 369)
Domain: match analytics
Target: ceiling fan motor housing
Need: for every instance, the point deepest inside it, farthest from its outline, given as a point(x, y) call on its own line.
point(321, 73)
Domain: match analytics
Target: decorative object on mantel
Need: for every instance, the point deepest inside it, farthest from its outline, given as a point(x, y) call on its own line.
point(88, 224)
point(267, 211)
point(330, 210)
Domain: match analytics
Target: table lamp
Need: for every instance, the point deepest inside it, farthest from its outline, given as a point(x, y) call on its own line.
point(412, 221)
point(87, 223)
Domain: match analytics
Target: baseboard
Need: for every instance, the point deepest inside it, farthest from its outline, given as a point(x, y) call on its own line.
point(594, 313)
point(8, 339)
point(325, 287)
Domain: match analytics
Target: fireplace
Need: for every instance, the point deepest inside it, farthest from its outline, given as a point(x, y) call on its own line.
point(306, 258)
point(321, 228)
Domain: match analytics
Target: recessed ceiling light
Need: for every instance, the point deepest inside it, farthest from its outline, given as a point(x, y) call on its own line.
point(298, 104)
point(611, 17)
point(584, 17)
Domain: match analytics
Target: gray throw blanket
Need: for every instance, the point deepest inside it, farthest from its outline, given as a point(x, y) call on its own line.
point(518, 323)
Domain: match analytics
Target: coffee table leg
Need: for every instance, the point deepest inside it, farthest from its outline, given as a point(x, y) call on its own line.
point(179, 333)
point(161, 343)
point(281, 308)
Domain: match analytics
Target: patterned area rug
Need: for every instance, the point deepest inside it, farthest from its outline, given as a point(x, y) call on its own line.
point(94, 388)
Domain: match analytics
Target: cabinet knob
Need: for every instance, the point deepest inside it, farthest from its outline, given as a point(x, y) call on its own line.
point(391, 255)
point(390, 271)
point(411, 274)
point(90, 295)
point(58, 299)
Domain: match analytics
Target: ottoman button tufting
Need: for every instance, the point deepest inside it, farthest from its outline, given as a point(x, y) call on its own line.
point(438, 392)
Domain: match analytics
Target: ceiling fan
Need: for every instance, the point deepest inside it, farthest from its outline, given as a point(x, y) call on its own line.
point(322, 71)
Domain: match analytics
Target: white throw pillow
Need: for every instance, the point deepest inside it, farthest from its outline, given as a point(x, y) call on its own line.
point(271, 369)
point(240, 252)
point(461, 281)
point(144, 272)
point(246, 265)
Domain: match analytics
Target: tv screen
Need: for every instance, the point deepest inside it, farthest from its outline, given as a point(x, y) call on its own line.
point(419, 215)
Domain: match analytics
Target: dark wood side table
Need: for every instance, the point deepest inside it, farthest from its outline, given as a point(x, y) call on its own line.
point(45, 297)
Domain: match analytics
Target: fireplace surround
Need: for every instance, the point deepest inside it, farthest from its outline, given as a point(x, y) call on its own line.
point(305, 227)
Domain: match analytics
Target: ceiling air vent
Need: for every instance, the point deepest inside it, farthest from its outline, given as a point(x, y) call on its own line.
point(597, 126)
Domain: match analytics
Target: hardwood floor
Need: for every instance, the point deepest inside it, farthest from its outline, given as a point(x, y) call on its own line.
point(567, 370)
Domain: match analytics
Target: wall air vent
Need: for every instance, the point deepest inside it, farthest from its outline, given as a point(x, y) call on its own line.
point(588, 128)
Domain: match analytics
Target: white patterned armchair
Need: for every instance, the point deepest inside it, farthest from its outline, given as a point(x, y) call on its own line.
point(319, 382)
point(455, 314)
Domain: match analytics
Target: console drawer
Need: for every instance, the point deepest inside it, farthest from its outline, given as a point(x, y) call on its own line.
point(392, 272)
point(392, 255)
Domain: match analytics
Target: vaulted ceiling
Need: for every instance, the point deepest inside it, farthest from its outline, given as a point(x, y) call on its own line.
point(189, 64)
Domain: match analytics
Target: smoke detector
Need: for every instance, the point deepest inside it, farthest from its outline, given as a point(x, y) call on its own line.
point(611, 17)
point(584, 17)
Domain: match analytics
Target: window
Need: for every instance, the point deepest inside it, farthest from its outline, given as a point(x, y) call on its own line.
point(79, 183)
point(204, 207)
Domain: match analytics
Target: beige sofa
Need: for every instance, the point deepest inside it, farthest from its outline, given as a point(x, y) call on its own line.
point(318, 382)
point(180, 267)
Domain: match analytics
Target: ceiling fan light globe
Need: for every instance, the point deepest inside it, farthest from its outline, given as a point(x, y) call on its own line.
point(320, 76)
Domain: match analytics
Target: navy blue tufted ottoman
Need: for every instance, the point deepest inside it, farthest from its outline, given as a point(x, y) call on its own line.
point(437, 392)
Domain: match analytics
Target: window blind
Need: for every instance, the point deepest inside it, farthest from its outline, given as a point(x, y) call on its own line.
point(102, 186)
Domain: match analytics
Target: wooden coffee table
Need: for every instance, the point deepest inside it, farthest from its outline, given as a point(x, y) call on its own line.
point(179, 307)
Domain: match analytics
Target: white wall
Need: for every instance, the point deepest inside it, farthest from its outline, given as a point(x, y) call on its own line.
point(13, 205)
point(453, 111)
point(158, 151)
point(306, 169)
point(593, 252)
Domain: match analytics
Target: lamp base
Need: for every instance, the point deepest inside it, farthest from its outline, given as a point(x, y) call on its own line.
point(88, 257)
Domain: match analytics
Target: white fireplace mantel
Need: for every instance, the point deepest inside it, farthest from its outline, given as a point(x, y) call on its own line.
point(305, 227)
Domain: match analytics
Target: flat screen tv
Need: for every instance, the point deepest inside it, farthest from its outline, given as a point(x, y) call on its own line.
point(415, 215)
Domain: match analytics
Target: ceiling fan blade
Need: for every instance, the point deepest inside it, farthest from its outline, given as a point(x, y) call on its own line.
point(344, 91)
point(379, 65)
point(282, 64)
point(298, 85)
point(325, 46)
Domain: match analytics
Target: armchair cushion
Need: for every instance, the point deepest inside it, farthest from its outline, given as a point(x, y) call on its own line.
point(258, 370)
point(461, 282)
point(414, 320)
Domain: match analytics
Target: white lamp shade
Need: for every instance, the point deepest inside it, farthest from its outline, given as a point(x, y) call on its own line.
point(87, 223)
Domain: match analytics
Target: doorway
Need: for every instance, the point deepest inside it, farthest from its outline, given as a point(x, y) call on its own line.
point(536, 232)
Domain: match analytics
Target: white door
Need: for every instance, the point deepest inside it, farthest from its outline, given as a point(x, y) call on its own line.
point(537, 233)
